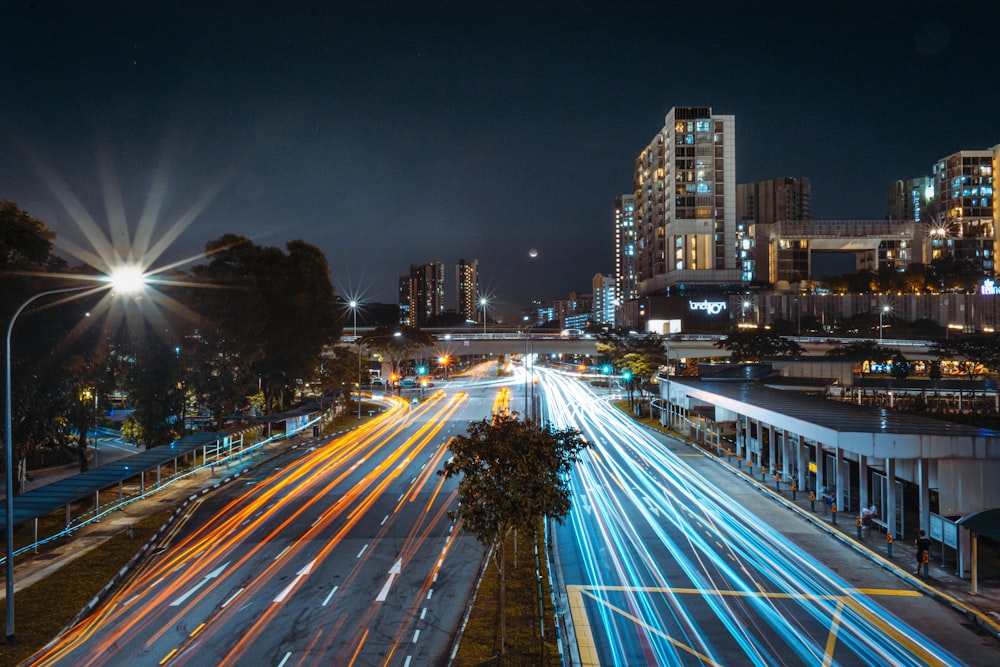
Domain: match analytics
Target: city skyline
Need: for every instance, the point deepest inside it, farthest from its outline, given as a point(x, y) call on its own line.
point(387, 135)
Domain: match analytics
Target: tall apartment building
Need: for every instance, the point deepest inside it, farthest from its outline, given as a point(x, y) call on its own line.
point(964, 209)
point(759, 206)
point(955, 209)
point(685, 204)
point(908, 199)
point(626, 280)
point(603, 308)
point(467, 289)
point(421, 294)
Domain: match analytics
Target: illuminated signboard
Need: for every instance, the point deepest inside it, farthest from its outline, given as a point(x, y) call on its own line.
point(988, 287)
point(710, 307)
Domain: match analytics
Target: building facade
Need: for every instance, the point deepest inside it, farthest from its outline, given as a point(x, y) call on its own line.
point(684, 190)
point(467, 289)
point(759, 206)
point(421, 294)
point(626, 280)
point(605, 300)
point(963, 211)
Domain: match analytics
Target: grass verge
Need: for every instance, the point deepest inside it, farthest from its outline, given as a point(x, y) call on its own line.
point(525, 640)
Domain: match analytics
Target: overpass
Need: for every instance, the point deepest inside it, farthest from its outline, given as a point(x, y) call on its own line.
point(678, 346)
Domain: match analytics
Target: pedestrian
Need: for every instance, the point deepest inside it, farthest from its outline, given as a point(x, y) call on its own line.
point(923, 545)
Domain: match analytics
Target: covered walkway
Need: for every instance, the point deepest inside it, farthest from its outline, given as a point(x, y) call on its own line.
point(850, 456)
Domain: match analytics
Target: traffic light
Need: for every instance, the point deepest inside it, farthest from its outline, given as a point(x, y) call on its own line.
point(627, 375)
point(421, 370)
point(606, 369)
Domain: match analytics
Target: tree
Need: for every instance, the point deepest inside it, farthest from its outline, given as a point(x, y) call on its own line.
point(513, 473)
point(756, 345)
point(975, 351)
point(867, 350)
point(400, 348)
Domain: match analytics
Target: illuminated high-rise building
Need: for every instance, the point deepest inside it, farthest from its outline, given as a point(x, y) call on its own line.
point(421, 294)
point(467, 289)
point(603, 308)
point(626, 281)
point(760, 207)
point(685, 205)
point(963, 215)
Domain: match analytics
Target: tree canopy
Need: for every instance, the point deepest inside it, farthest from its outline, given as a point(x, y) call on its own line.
point(250, 317)
point(512, 473)
point(755, 345)
point(976, 351)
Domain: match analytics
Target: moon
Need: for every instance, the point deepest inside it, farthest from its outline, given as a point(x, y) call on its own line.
point(532, 253)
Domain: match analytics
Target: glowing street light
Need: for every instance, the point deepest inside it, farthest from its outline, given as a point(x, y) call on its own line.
point(483, 303)
point(885, 309)
point(127, 280)
point(353, 305)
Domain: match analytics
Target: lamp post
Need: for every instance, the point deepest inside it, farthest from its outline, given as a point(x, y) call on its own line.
point(483, 302)
point(885, 309)
point(126, 280)
point(357, 344)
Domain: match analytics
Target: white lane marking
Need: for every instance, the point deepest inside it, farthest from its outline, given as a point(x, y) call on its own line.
point(285, 659)
point(363, 549)
point(423, 613)
point(384, 520)
point(231, 598)
point(416, 635)
point(406, 663)
point(211, 575)
point(400, 498)
point(130, 601)
point(298, 575)
point(393, 571)
point(329, 596)
point(430, 592)
point(283, 552)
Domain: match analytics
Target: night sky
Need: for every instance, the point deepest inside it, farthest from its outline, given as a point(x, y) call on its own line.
point(388, 135)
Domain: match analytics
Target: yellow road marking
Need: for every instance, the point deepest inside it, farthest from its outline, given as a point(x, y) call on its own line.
point(638, 621)
point(167, 658)
point(584, 634)
point(831, 640)
point(587, 647)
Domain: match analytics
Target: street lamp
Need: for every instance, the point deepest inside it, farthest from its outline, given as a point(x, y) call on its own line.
point(353, 304)
point(885, 309)
point(125, 281)
point(483, 302)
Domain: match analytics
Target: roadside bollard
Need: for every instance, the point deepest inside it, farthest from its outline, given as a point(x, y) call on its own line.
point(763, 471)
point(795, 487)
point(812, 501)
point(888, 544)
point(729, 455)
point(857, 521)
point(833, 510)
point(777, 482)
point(925, 562)
point(750, 466)
point(739, 461)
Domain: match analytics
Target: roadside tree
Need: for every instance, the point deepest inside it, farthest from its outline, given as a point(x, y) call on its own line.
point(756, 345)
point(512, 473)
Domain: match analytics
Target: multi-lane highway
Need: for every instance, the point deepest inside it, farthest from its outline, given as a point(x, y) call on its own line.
point(661, 567)
point(342, 554)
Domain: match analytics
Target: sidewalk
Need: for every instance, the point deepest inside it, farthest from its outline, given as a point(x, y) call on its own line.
point(942, 582)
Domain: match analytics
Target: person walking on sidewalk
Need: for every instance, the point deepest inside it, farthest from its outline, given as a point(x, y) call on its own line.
point(923, 546)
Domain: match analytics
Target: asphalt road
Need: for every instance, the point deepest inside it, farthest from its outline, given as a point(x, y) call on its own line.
point(666, 559)
point(339, 554)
